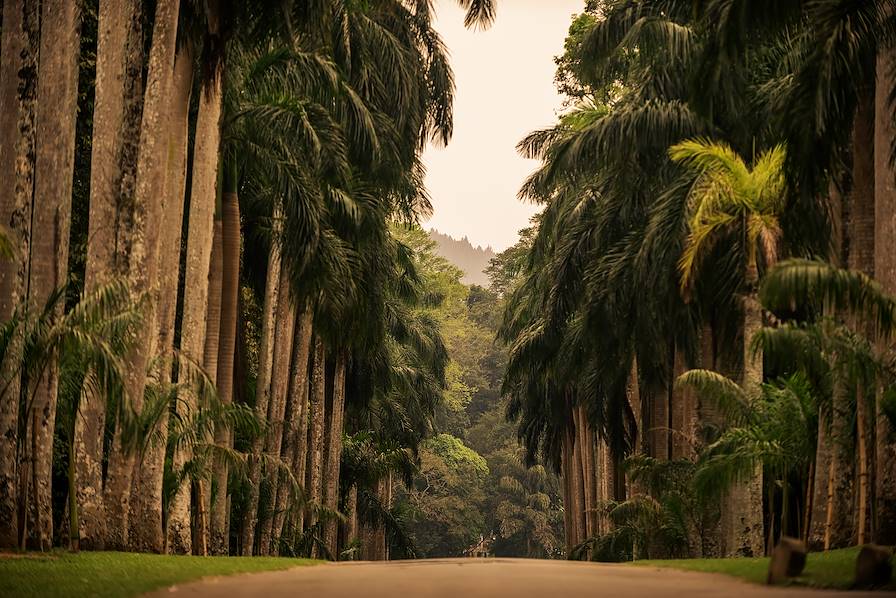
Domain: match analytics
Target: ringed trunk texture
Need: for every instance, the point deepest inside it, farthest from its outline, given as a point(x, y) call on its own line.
point(263, 392)
point(116, 134)
point(200, 237)
point(885, 271)
point(295, 429)
point(230, 281)
point(147, 533)
point(143, 267)
point(317, 400)
point(334, 454)
point(57, 97)
point(18, 94)
point(280, 378)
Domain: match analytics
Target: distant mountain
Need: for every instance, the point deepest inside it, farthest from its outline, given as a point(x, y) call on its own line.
point(472, 260)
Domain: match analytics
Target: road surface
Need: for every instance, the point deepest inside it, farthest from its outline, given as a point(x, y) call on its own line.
point(483, 578)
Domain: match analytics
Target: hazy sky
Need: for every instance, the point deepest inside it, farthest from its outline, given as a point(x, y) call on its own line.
point(505, 89)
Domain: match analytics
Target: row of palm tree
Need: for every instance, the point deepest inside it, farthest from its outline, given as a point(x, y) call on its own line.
point(243, 302)
point(712, 140)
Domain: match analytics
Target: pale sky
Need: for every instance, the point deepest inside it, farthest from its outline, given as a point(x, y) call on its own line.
point(505, 89)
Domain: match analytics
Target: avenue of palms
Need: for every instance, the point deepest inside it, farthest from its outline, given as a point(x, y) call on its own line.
point(223, 331)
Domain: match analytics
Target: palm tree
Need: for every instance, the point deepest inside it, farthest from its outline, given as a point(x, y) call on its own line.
point(18, 94)
point(146, 528)
point(729, 199)
point(824, 288)
point(143, 266)
point(57, 95)
point(115, 137)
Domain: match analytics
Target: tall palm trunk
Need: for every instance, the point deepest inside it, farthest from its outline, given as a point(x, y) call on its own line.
point(57, 100)
point(566, 480)
point(885, 271)
point(294, 432)
point(316, 399)
point(200, 237)
point(585, 441)
point(147, 533)
point(742, 518)
point(334, 453)
point(684, 413)
point(210, 363)
point(116, 132)
point(263, 386)
point(143, 247)
point(230, 257)
point(280, 378)
point(18, 95)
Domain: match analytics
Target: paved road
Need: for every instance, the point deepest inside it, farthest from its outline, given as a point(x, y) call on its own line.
point(487, 578)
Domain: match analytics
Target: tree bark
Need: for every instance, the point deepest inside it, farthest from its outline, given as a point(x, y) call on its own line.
point(334, 453)
point(885, 271)
point(57, 100)
point(742, 517)
point(295, 430)
point(263, 392)
point(147, 533)
point(317, 399)
point(280, 378)
point(116, 132)
point(18, 95)
point(230, 253)
point(200, 238)
point(143, 266)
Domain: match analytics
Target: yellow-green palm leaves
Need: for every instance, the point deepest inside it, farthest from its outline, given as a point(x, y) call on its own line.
point(727, 197)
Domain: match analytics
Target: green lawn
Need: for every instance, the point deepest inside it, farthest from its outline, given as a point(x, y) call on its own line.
point(834, 569)
point(117, 574)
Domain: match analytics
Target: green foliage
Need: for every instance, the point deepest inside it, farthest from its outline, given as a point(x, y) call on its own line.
point(119, 575)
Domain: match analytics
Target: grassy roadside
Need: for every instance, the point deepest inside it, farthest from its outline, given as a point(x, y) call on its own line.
point(117, 574)
point(833, 569)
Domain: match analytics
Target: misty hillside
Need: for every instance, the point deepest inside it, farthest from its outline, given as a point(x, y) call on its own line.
point(472, 260)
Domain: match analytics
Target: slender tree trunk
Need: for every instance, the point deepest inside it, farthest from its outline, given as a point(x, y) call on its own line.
point(280, 378)
point(585, 442)
point(742, 512)
point(147, 532)
point(640, 434)
point(317, 400)
point(864, 482)
point(230, 252)
point(18, 95)
point(57, 101)
point(351, 529)
point(116, 132)
point(818, 532)
point(684, 413)
point(334, 454)
point(885, 271)
point(295, 430)
point(579, 483)
point(143, 266)
point(200, 238)
point(566, 479)
point(263, 392)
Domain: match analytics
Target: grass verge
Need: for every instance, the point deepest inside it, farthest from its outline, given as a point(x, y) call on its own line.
point(834, 569)
point(118, 574)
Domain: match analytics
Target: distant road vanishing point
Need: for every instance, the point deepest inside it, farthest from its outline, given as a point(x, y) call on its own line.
point(483, 578)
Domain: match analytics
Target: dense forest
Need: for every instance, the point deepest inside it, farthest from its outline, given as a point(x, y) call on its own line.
point(224, 330)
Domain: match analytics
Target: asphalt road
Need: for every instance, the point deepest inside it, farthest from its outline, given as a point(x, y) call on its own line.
point(475, 578)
